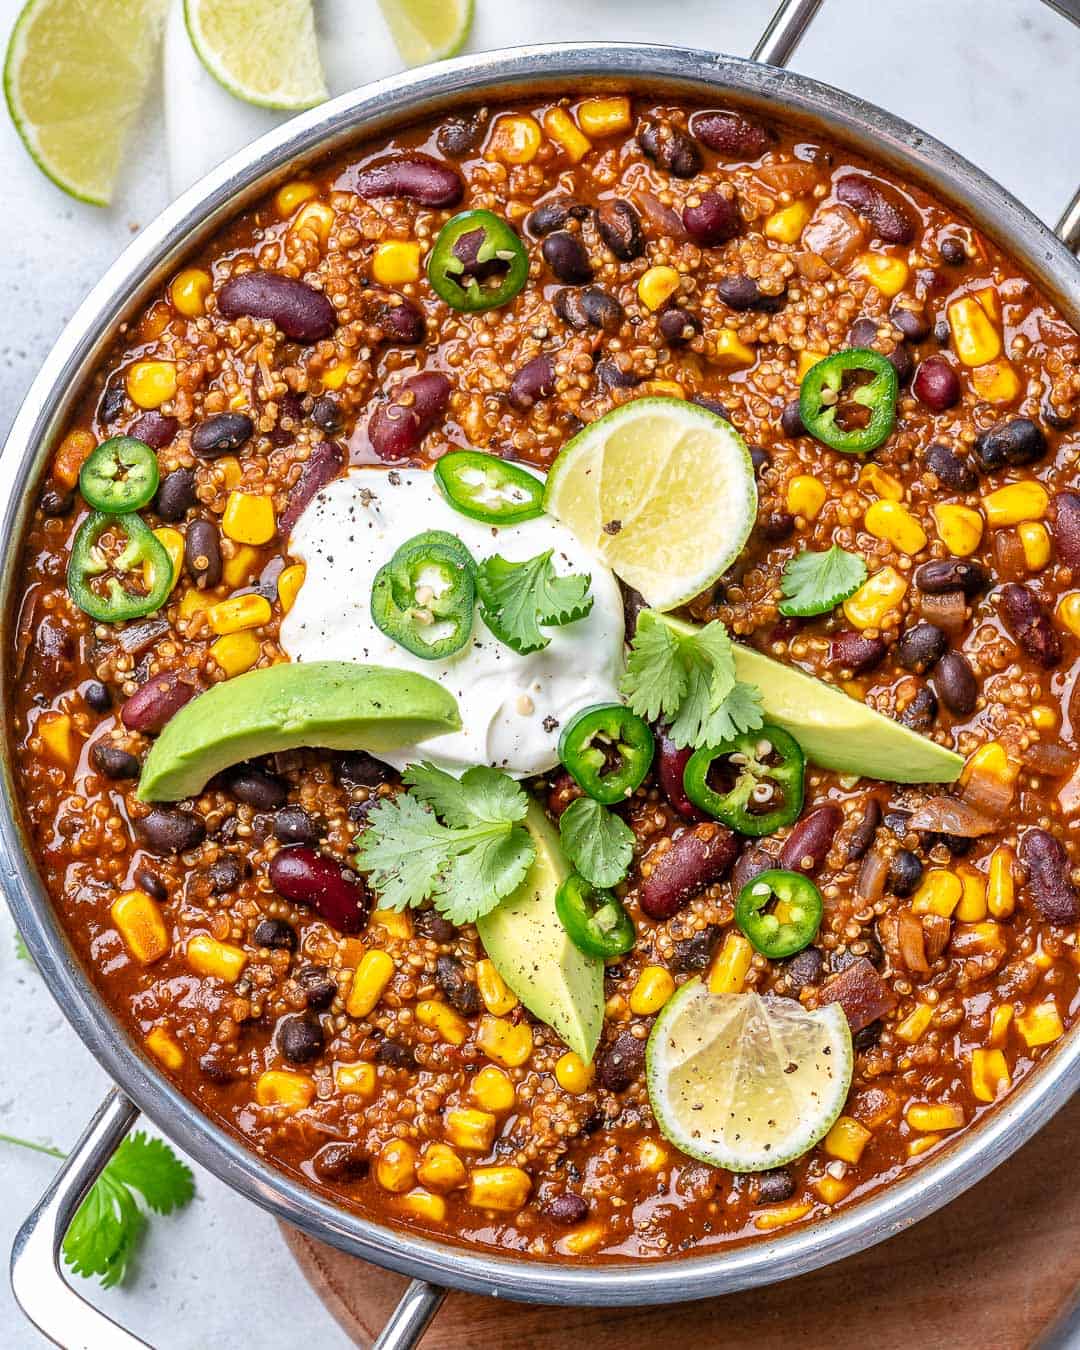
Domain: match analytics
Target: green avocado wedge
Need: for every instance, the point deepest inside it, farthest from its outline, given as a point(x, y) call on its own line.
point(530, 948)
point(335, 705)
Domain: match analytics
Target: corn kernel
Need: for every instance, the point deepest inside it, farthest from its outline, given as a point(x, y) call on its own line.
point(249, 518)
point(979, 939)
point(888, 274)
point(895, 524)
point(504, 1042)
point(291, 195)
point(560, 126)
point(659, 389)
point(396, 262)
point(847, 1139)
point(652, 990)
point(438, 1017)
point(151, 383)
point(987, 296)
point(503, 1188)
point(472, 1130)
point(731, 352)
point(207, 956)
point(317, 218)
point(960, 528)
point(239, 613)
point(990, 760)
point(395, 1167)
point(194, 602)
point(915, 1023)
point(874, 479)
point(604, 116)
point(493, 1090)
point(786, 225)
point(731, 965)
point(1000, 1023)
point(806, 496)
point(188, 291)
point(1068, 612)
point(498, 999)
point(163, 1046)
point(359, 1080)
point(876, 599)
point(336, 375)
point(514, 139)
point(440, 1168)
point(972, 906)
point(938, 893)
point(372, 975)
point(996, 382)
point(1035, 541)
point(58, 737)
point(282, 1087)
point(236, 652)
point(923, 1144)
point(1043, 717)
point(1016, 502)
point(392, 922)
point(241, 568)
point(289, 582)
point(228, 468)
point(424, 1205)
point(72, 453)
point(927, 1116)
point(1040, 1025)
point(974, 336)
point(172, 541)
point(141, 925)
point(779, 1216)
point(831, 1190)
point(582, 1240)
point(572, 1073)
point(989, 1074)
point(1000, 883)
point(652, 1156)
point(657, 286)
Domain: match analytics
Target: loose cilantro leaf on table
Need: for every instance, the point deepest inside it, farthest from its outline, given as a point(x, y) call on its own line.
point(22, 952)
point(599, 844)
point(814, 583)
point(465, 862)
point(517, 598)
point(687, 675)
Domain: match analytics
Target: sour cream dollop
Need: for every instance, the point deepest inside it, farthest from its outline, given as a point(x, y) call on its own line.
point(512, 707)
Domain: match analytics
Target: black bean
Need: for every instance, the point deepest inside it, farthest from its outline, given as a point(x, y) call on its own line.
point(955, 684)
point(342, 1161)
point(670, 149)
point(804, 968)
point(255, 787)
point(319, 986)
point(592, 307)
point(905, 873)
point(56, 503)
point(952, 574)
point(113, 762)
point(553, 215)
point(791, 423)
point(952, 251)
point(920, 712)
point(902, 362)
point(460, 991)
point(620, 1064)
point(111, 405)
point(389, 317)
point(97, 696)
point(953, 470)
point(300, 1038)
point(759, 458)
point(712, 405)
point(356, 768)
point(168, 831)
point(912, 323)
point(567, 257)
point(921, 646)
point(1018, 442)
point(610, 375)
point(1028, 620)
point(863, 332)
point(458, 136)
point(202, 554)
point(863, 834)
point(777, 525)
point(678, 326)
point(151, 883)
point(293, 825)
point(619, 226)
point(534, 381)
point(566, 1209)
point(867, 1037)
point(775, 1186)
point(326, 414)
point(275, 934)
point(713, 221)
point(175, 495)
point(222, 434)
point(394, 1053)
point(226, 873)
point(695, 953)
point(742, 293)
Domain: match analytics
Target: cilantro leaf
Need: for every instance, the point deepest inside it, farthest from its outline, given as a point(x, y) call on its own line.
point(599, 844)
point(22, 952)
point(464, 863)
point(814, 583)
point(150, 1165)
point(516, 598)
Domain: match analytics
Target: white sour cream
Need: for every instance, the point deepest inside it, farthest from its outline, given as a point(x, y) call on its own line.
point(512, 707)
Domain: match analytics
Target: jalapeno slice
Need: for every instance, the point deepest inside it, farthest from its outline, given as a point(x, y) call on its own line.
point(594, 919)
point(867, 409)
point(779, 912)
point(425, 596)
point(754, 783)
point(487, 488)
point(109, 544)
point(478, 262)
point(120, 475)
point(607, 750)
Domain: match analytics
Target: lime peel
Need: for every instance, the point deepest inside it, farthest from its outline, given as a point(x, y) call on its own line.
point(261, 51)
point(427, 30)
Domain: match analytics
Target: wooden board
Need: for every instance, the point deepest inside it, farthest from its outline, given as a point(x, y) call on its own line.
point(989, 1272)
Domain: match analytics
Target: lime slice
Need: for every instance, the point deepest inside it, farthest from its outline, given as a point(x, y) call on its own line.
point(744, 1082)
point(263, 51)
point(427, 30)
point(662, 492)
point(75, 75)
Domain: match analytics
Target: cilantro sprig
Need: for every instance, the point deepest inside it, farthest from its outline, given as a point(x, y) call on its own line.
point(814, 583)
point(109, 1223)
point(599, 844)
point(687, 675)
point(519, 599)
point(457, 842)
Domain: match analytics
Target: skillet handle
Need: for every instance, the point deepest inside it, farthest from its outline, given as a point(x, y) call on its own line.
point(40, 1289)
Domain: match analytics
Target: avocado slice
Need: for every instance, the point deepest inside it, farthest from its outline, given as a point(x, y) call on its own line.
point(338, 705)
point(531, 950)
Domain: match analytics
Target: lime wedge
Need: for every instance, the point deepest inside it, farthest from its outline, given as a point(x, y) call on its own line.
point(427, 30)
point(75, 75)
point(263, 51)
point(744, 1082)
point(662, 492)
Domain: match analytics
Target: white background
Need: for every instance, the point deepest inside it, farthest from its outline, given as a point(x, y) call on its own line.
point(997, 79)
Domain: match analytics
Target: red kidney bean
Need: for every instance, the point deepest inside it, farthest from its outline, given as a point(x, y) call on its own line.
point(176, 495)
point(808, 844)
point(334, 892)
point(620, 1064)
point(955, 684)
point(936, 384)
point(693, 860)
point(159, 699)
point(862, 836)
point(389, 317)
point(322, 466)
point(567, 257)
point(563, 791)
point(221, 434)
point(299, 310)
point(1027, 619)
point(855, 652)
point(415, 176)
point(750, 863)
point(567, 1209)
point(678, 326)
point(1066, 527)
point(713, 221)
point(670, 149)
point(202, 554)
point(919, 647)
point(880, 204)
point(592, 307)
point(953, 470)
point(861, 992)
point(742, 293)
point(154, 429)
point(1049, 885)
point(952, 574)
point(731, 134)
point(620, 228)
point(534, 381)
point(398, 426)
point(170, 831)
point(671, 763)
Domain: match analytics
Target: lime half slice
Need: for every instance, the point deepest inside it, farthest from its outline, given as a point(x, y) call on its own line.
point(262, 51)
point(662, 492)
point(427, 30)
point(75, 76)
point(745, 1082)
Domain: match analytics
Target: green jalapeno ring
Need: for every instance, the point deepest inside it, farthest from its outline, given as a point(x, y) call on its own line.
point(820, 396)
point(607, 750)
point(747, 754)
point(88, 561)
point(774, 936)
point(424, 598)
point(594, 919)
point(120, 475)
point(485, 487)
point(498, 248)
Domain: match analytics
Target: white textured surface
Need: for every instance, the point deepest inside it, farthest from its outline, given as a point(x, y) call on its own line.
point(998, 79)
